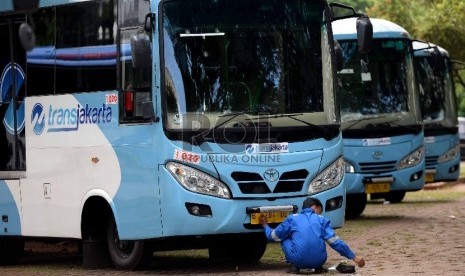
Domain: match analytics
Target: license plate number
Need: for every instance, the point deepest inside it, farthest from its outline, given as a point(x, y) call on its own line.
point(429, 177)
point(271, 217)
point(377, 188)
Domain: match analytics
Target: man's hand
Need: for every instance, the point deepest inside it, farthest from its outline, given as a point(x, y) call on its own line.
point(263, 221)
point(359, 261)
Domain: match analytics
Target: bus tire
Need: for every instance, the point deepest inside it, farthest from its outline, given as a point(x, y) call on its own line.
point(11, 250)
point(355, 205)
point(127, 255)
point(240, 248)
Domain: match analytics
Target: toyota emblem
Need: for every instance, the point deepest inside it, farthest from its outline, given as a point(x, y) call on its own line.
point(377, 155)
point(271, 175)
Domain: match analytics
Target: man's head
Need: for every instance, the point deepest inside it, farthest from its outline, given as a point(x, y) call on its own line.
point(314, 204)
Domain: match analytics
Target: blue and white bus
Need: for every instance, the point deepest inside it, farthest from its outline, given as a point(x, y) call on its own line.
point(381, 116)
point(138, 126)
point(439, 111)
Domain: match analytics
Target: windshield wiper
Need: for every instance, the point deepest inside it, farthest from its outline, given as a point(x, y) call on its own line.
point(232, 115)
point(394, 123)
point(327, 133)
point(357, 121)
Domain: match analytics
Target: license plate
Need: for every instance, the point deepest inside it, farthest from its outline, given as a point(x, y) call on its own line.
point(377, 188)
point(271, 217)
point(429, 177)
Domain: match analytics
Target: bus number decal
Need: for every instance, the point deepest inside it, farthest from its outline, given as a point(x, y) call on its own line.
point(186, 156)
point(111, 99)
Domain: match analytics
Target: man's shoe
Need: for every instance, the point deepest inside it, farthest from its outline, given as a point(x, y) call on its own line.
point(345, 268)
point(294, 270)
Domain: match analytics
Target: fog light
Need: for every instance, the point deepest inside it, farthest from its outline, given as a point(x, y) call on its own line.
point(199, 210)
point(454, 168)
point(195, 210)
point(416, 176)
point(333, 203)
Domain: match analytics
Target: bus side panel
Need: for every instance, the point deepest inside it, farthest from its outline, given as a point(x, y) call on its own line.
point(137, 149)
point(137, 201)
point(68, 156)
point(10, 208)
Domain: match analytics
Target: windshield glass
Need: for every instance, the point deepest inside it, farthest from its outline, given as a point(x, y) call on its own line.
point(258, 59)
point(437, 96)
point(378, 87)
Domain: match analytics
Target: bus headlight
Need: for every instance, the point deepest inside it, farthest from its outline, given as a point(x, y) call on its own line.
point(197, 181)
point(450, 154)
point(412, 159)
point(329, 178)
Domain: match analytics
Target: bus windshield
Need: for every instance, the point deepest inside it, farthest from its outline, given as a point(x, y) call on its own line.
point(252, 58)
point(381, 91)
point(437, 92)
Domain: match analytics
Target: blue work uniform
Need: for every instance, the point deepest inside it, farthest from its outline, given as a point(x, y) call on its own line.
point(303, 238)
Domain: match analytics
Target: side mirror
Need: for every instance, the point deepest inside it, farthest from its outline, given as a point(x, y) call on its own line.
point(364, 34)
point(26, 37)
point(26, 33)
point(141, 51)
point(341, 11)
point(339, 56)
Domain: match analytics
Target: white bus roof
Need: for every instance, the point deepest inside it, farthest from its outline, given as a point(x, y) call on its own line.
point(346, 29)
point(417, 45)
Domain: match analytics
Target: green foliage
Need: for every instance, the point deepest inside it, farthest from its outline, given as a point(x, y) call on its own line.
point(358, 5)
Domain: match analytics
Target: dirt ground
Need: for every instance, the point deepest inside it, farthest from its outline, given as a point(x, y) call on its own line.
point(410, 238)
point(413, 239)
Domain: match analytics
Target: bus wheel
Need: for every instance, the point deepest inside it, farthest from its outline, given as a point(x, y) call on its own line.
point(11, 250)
point(126, 255)
point(395, 196)
point(242, 248)
point(355, 205)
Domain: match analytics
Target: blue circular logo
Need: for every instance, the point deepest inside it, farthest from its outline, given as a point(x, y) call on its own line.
point(37, 119)
point(6, 86)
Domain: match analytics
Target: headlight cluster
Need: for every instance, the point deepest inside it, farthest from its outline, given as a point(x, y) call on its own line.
point(412, 159)
point(329, 178)
point(450, 154)
point(197, 181)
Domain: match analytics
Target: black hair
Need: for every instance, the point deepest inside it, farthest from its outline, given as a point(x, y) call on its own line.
point(310, 201)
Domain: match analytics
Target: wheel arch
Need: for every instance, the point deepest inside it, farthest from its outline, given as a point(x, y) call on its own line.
point(97, 207)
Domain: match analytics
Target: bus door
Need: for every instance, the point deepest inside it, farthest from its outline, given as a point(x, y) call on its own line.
point(12, 85)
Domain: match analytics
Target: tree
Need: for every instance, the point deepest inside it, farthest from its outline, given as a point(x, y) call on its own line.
point(437, 21)
point(358, 5)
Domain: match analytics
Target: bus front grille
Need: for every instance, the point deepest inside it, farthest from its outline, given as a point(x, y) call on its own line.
point(377, 167)
point(431, 160)
point(254, 183)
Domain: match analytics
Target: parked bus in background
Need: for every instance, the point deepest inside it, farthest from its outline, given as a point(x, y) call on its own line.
point(138, 126)
point(381, 116)
point(439, 111)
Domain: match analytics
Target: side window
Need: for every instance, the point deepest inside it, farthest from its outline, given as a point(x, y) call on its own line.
point(135, 61)
point(85, 48)
point(41, 59)
point(75, 49)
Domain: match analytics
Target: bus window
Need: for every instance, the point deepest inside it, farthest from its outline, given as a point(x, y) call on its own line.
point(41, 61)
point(135, 80)
point(85, 47)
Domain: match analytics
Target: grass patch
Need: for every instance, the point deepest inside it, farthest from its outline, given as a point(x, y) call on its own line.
point(440, 195)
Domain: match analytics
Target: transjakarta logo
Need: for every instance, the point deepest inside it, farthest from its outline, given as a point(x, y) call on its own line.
point(58, 119)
